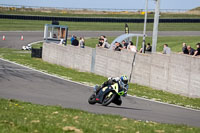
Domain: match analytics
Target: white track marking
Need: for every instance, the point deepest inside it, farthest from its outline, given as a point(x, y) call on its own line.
point(15, 69)
point(34, 43)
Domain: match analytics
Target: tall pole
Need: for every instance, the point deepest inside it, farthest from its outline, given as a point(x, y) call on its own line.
point(155, 27)
point(145, 23)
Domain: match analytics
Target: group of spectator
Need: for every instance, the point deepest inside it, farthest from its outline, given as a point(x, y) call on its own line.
point(76, 42)
point(190, 51)
point(103, 42)
point(117, 46)
point(147, 48)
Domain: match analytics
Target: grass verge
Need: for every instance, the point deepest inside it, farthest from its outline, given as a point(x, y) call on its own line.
point(20, 117)
point(92, 79)
point(34, 25)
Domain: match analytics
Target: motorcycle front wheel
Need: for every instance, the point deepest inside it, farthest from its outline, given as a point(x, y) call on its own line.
point(108, 98)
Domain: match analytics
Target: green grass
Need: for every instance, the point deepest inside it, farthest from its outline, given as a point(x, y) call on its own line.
point(92, 79)
point(37, 45)
point(19, 117)
point(92, 14)
point(175, 43)
point(28, 25)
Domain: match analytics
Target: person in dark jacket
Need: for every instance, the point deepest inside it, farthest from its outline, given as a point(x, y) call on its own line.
point(72, 39)
point(184, 49)
point(197, 52)
point(148, 48)
point(118, 46)
point(190, 50)
point(75, 42)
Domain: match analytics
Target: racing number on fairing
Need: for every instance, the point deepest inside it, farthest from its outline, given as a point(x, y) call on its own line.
point(115, 87)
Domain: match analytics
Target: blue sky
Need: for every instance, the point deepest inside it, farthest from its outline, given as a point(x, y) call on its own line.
point(111, 4)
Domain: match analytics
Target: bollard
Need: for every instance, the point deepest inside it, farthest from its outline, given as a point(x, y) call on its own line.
point(22, 38)
point(4, 38)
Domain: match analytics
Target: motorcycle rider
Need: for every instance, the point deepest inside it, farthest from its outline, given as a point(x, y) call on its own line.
point(122, 82)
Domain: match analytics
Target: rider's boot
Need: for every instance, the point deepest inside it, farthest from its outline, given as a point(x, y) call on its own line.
point(97, 89)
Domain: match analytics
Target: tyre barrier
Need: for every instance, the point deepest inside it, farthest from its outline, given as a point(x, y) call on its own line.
point(75, 19)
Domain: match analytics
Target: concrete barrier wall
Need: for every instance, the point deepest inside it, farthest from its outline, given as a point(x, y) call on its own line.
point(141, 69)
point(159, 71)
point(68, 56)
point(175, 73)
point(109, 63)
point(194, 79)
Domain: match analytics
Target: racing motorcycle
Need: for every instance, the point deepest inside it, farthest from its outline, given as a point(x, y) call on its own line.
point(107, 95)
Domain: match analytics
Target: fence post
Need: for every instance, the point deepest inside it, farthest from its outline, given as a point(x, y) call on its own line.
point(132, 67)
point(93, 60)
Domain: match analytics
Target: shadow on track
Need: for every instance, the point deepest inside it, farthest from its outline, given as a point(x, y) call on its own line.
point(127, 108)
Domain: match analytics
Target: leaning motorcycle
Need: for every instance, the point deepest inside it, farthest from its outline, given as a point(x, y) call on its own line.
point(107, 95)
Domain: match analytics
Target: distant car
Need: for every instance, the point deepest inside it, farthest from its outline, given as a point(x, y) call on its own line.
point(28, 47)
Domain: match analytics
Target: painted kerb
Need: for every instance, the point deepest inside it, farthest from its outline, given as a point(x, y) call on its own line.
point(174, 73)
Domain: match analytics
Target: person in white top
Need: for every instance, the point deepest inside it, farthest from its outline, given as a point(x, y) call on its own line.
point(82, 42)
point(132, 47)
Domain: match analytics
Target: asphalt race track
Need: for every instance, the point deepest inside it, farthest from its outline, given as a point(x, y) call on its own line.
point(13, 38)
point(28, 85)
point(25, 84)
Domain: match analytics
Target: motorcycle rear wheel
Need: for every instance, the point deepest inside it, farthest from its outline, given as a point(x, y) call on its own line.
point(92, 99)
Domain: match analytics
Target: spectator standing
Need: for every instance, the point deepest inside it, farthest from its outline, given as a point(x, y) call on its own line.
point(197, 52)
point(118, 46)
point(190, 50)
point(82, 42)
point(101, 41)
point(142, 49)
point(106, 45)
point(75, 41)
point(104, 38)
point(125, 44)
point(132, 47)
point(72, 38)
point(166, 49)
point(184, 49)
point(148, 48)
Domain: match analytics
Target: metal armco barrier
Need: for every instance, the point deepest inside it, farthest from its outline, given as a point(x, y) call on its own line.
point(117, 20)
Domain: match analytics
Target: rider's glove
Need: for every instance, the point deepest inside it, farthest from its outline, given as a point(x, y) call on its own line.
point(125, 92)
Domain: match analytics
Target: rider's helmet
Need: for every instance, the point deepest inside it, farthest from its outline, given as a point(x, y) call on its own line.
point(123, 81)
